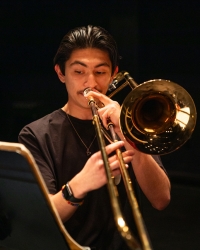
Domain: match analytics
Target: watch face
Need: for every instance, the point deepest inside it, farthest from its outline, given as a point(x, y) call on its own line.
point(65, 192)
point(68, 195)
point(67, 187)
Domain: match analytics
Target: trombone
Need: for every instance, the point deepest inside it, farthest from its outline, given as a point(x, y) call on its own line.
point(157, 117)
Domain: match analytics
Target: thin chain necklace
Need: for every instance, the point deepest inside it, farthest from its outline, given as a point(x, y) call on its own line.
point(88, 152)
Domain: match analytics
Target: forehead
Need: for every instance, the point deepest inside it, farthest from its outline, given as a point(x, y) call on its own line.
point(89, 56)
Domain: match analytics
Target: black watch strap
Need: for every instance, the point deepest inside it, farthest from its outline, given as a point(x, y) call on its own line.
point(68, 195)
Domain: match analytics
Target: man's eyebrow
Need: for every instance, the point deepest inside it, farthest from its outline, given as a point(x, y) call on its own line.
point(85, 65)
point(78, 62)
point(102, 64)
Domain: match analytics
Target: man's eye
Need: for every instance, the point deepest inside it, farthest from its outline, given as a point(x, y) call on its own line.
point(100, 72)
point(78, 71)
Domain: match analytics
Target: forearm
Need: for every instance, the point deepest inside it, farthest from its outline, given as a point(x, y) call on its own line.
point(151, 177)
point(64, 209)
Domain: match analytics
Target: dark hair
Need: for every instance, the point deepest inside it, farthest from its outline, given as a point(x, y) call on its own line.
point(86, 37)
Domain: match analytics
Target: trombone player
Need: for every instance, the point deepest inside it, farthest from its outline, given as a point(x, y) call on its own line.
point(64, 144)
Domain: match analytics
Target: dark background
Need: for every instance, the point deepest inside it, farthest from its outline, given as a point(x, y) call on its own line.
point(156, 39)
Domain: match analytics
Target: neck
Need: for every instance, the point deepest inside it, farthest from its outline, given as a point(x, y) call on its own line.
point(83, 114)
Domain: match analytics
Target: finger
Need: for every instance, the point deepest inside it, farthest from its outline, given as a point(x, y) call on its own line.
point(115, 172)
point(125, 155)
point(127, 159)
point(116, 164)
point(113, 146)
point(97, 95)
point(128, 153)
point(105, 117)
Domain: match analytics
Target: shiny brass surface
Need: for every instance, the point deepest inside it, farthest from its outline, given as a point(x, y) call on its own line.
point(158, 117)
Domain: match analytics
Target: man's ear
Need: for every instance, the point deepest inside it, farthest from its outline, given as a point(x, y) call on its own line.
point(59, 73)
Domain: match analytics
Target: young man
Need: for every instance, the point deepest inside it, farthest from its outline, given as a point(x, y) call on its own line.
point(66, 150)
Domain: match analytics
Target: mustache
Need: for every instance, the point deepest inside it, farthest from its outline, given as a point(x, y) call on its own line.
point(89, 89)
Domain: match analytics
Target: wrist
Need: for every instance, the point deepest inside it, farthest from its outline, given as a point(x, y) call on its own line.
point(69, 197)
point(77, 186)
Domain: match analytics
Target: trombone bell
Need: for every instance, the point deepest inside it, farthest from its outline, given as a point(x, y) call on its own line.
point(158, 117)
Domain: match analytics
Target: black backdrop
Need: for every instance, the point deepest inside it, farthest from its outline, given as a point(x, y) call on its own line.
point(156, 39)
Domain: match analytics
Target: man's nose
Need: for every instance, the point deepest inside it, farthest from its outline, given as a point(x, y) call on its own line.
point(90, 81)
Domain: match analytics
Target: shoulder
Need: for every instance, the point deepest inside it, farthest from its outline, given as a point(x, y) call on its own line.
point(55, 116)
point(58, 114)
point(45, 123)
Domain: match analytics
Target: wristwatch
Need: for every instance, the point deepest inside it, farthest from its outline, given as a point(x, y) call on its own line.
point(68, 195)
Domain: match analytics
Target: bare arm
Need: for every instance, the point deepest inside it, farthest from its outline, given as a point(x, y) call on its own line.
point(152, 179)
point(91, 177)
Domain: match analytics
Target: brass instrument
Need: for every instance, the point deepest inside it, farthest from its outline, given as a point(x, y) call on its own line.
point(157, 117)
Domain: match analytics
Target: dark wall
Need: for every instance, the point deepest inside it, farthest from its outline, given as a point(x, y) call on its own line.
point(169, 48)
point(157, 39)
point(30, 34)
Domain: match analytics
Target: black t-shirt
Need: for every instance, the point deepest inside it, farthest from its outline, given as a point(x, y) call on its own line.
point(60, 155)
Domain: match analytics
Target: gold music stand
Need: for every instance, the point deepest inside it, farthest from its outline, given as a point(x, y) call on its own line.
point(28, 218)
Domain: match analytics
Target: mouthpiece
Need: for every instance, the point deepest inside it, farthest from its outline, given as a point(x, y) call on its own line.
point(86, 91)
point(90, 98)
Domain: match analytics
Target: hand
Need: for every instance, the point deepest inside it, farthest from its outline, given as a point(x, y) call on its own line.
point(93, 175)
point(110, 111)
